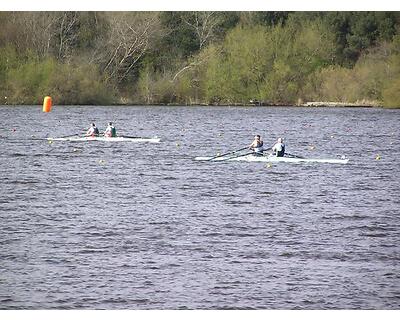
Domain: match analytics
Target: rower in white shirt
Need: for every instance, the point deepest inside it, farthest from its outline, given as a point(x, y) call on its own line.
point(279, 148)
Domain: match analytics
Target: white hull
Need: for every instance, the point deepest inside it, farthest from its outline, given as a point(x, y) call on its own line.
point(252, 158)
point(108, 139)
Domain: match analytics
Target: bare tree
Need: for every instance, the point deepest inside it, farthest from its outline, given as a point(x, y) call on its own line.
point(204, 24)
point(35, 31)
point(46, 33)
point(67, 34)
point(130, 36)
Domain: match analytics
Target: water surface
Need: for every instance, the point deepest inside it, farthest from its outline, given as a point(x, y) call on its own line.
point(147, 227)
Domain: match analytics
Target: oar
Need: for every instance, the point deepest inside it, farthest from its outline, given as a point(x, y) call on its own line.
point(294, 156)
point(238, 156)
point(133, 137)
point(246, 154)
point(268, 148)
point(225, 154)
point(70, 135)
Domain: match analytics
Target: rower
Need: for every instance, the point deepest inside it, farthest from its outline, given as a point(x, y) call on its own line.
point(257, 145)
point(93, 131)
point(279, 148)
point(110, 131)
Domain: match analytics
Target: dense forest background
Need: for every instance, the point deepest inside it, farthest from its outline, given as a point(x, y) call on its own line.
point(200, 57)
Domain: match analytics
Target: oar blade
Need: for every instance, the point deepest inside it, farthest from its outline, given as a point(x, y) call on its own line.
point(227, 153)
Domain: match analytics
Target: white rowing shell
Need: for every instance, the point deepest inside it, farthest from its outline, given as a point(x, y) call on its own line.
point(252, 158)
point(108, 139)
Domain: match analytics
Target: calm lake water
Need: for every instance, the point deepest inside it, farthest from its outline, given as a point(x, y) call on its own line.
point(97, 225)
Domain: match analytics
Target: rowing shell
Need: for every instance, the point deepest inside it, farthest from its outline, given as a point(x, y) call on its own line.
point(253, 158)
point(108, 139)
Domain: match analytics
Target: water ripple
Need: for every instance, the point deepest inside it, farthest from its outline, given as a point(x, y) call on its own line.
point(149, 228)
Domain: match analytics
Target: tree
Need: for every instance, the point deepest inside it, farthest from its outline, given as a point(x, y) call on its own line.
point(203, 24)
point(179, 39)
point(236, 72)
point(67, 33)
point(34, 31)
point(265, 18)
point(130, 36)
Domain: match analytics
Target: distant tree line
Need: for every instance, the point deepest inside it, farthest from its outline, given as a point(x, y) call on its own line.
point(200, 57)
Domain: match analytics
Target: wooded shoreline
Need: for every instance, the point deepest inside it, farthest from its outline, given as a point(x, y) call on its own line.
point(201, 58)
point(262, 104)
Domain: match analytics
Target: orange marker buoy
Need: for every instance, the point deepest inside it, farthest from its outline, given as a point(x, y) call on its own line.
point(47, 103)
